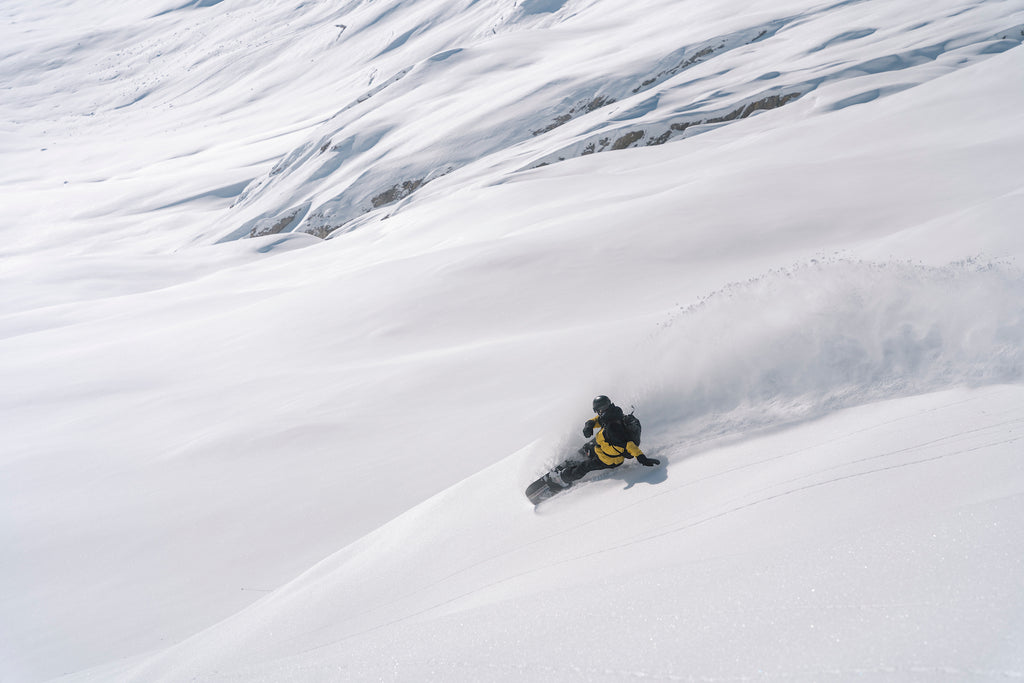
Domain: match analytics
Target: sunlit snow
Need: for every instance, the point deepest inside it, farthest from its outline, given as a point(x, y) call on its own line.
point(297, 298)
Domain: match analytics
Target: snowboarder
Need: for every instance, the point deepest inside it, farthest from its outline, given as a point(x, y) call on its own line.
point(615, 441)
point(617, 438)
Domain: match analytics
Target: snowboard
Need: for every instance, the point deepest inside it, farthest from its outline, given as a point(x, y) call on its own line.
point(541, 490)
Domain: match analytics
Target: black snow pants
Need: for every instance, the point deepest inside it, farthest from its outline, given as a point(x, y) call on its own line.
point(574, 471)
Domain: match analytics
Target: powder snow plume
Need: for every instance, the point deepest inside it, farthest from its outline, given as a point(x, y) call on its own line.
point(798, 343)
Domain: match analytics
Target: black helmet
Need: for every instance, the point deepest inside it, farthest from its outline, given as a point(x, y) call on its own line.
point(601, 404)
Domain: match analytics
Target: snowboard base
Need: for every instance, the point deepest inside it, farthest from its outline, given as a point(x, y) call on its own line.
point(541, 490)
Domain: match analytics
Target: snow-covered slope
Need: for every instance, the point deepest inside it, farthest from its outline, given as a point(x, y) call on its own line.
point(820, 553)
point(286, 457)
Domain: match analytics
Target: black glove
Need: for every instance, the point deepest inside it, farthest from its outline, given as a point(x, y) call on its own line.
point(588, 429)
point(647, 462)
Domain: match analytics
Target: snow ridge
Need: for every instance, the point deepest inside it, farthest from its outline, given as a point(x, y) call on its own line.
point(362, 161)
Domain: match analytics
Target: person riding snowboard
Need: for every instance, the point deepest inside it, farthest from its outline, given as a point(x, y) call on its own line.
point(610, 448)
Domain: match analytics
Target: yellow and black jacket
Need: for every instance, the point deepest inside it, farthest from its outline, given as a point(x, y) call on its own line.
point(612, 445)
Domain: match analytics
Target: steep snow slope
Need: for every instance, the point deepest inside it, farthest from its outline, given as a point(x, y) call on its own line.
point(825, 551)
point(524, 97)
point(186, 429)
point(175, 111)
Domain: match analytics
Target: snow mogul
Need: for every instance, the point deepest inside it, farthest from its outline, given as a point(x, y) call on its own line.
point(617, 438)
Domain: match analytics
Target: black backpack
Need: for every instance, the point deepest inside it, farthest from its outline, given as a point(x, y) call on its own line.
point(620, 429)
point(633, 426)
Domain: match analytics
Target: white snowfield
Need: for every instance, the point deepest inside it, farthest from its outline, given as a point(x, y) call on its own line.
point(297, 298)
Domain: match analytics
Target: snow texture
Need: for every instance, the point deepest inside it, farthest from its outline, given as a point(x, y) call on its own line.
point(299, 297)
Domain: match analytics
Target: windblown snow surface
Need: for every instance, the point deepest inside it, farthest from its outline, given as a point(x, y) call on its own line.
point(297, 298)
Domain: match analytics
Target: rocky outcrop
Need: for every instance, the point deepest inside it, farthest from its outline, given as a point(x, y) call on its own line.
point(577, 110)
point(273, 225)
point(397, 192)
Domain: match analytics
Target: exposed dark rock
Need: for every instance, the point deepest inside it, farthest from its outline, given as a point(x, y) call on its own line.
point(262, 228)
point(633, 137)
point(578, 110)
point(668, 73)
point(735, 114)
point(559, 121)
point(396, 192)
point(321, 231)
point(628, 139)
point(770, 102)
point(599, 102)
point(661, 139)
